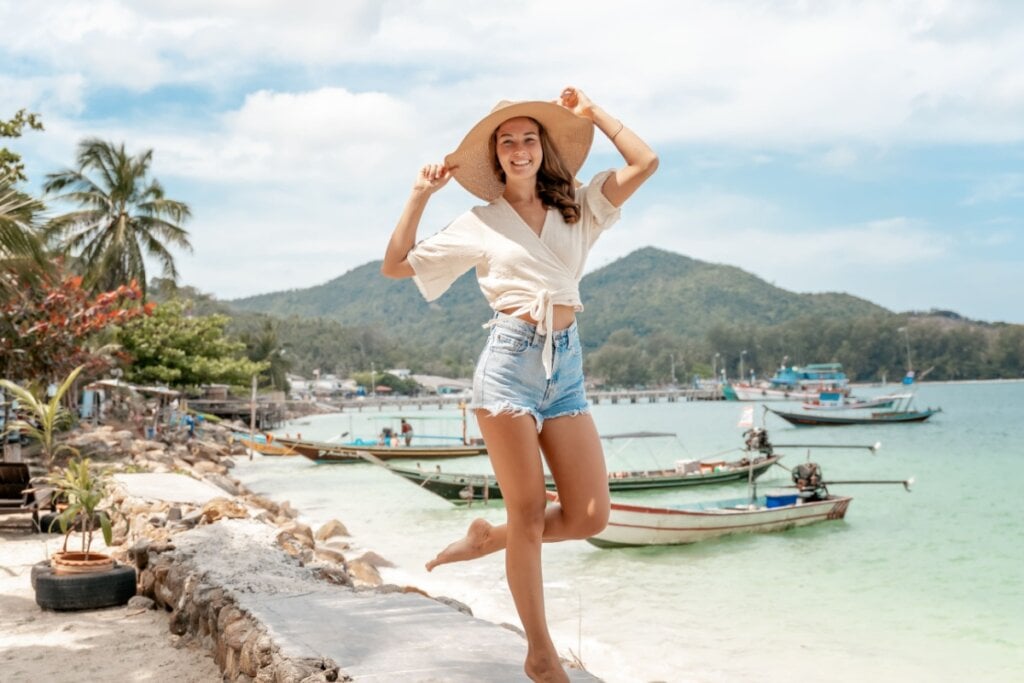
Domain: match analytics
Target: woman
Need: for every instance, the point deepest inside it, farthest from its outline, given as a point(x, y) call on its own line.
point(528, 245)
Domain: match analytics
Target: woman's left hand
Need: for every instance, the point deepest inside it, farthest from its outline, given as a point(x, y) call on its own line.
point(576, 101)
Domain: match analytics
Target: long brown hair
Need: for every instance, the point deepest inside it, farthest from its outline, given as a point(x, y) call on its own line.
point(555, 185)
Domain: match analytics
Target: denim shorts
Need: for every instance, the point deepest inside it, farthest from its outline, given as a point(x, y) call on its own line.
point(510, 377)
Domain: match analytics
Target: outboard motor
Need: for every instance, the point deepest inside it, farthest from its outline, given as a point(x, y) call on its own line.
point(757, 440)
point(807, 477)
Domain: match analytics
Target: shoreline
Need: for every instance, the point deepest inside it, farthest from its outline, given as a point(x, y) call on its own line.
point(224, 584)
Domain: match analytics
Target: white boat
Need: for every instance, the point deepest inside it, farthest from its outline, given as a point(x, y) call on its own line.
point(636, 525)
point(740, 391)
point(794, 383)
point(837, 401)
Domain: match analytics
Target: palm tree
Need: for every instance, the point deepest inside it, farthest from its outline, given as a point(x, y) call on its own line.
point(263, 346)
point(124, 216)
point(21, 252)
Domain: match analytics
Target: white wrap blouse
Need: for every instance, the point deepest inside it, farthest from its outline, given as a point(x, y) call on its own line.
point(516, 268)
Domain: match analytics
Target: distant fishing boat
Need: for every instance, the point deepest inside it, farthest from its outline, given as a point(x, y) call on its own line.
point(836, 401)
point(901, 412)
point(794, 383)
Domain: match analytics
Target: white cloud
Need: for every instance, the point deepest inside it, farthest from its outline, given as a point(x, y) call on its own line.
point(741, 73)
point(382, 87)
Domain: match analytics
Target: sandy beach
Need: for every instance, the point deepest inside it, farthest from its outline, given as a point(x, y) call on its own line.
point(115, 644)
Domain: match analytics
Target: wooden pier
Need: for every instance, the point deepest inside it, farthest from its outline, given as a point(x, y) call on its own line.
point(268, 415)
point(439, 401)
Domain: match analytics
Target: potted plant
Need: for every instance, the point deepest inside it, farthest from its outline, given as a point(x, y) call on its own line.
point(72, 580)
point(81, 490)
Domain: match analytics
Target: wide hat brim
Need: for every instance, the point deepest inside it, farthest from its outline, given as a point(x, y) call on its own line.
point(471, 164)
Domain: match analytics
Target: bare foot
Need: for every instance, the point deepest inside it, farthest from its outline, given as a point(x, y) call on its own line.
point(470, 547)
point(545, 669)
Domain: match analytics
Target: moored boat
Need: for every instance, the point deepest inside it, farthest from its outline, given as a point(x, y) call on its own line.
point(794, 383)
point(467, 487)
point(900, 413)
point(463, 487)
point(808, 501)
point(837, 401)
point(635, 525)
point(329, 452)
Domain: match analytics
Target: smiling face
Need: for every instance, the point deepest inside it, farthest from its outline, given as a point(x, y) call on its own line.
point(518, 148)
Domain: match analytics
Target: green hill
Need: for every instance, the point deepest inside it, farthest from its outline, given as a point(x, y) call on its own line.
point(648, 291)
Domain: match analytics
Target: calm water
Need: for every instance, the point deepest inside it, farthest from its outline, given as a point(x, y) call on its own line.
point(921, 586)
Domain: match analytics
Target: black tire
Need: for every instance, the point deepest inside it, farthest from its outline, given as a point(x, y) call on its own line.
point(48, 523)
point(83, 591)
point(40, 568)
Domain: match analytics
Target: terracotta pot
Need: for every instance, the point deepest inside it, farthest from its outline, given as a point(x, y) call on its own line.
point(80, 563)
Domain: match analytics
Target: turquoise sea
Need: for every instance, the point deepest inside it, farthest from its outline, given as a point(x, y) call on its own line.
point(920, 586)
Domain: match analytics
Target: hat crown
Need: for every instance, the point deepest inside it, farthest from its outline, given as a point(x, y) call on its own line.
point(472, 165)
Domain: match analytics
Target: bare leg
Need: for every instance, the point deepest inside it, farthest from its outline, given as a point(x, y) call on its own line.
point(573, 451)
point(574, 455)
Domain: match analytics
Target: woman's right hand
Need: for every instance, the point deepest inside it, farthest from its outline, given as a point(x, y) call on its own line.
point(432, 178)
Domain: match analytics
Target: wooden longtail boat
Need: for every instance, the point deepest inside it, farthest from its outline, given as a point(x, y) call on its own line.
point(328, 452)
point(808, 418)
point(465, 487)
point(264, 448)
point(634, 525)
point(808, 501)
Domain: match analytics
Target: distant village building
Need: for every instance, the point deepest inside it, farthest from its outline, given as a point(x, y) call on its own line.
point(323, 385)
point(443, 385)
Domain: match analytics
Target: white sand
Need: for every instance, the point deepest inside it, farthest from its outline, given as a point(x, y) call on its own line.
point(111, 645)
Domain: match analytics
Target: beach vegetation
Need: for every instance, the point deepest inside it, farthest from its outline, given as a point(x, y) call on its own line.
point(22, 254)
point(41, 418)
point(49, 327)
point(11, 165)
point(264, 346)
point(82, 488)
point(405, 387)
point(123, 216)
point(178, 349)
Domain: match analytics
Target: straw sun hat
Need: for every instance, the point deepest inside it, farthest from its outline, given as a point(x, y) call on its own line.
point(473, 167)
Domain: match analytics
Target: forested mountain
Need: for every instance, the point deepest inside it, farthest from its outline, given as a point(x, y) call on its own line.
point(651, 317)
point(648, 291)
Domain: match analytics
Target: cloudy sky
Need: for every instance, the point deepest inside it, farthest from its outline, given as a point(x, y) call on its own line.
point(875, 148)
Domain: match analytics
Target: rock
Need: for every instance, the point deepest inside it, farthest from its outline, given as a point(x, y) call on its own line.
point(364, 575)
point(336, 545)
point(374, 560)
point(331, 529)
point(223, 482)
point(288, 511)
point(329, 555)
point(301, 531)
point(141, 602)
point(454, 604)
point(207, 467)
point(223, 508)
point(336, 574)
point(139, 554)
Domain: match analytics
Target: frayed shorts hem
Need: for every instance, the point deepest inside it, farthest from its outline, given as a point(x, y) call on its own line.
point(509, 408)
